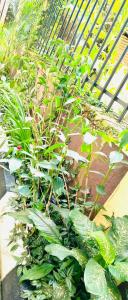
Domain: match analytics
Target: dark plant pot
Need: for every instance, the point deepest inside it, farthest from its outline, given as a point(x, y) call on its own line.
point(9, 287)
point(124, 290)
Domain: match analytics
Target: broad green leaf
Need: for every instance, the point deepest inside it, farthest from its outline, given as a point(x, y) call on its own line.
point(89, 138)
point(45, 225)
point(124, 139)
point(82, 225)
point(39, 174)
point(64, 213)
point(107, 250)
point(58, 186)
point(57, 250)
point(115, 157)
point(112, 292)
point(54, 147)
point(76, 156)
point(94, 279)
point(119, 236)
point(14, 164)
point(119, 271)
point(21, 216)
point(62, 252)
point(24, 190)
point(49, 165)
point(37, 272)
point(80, 256)
point(100, 189)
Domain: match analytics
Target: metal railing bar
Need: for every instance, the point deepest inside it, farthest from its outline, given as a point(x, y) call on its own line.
point(50, 16)
point(123, 114)
point(105, 19)
point(77, 27)
point(55, 32)
point(62, 26)
point(80, 23)
point(75, 6)
point(89, 16)
point(76, 46)
point(52, 30)
point(74, 21)
point(114, 71)
point(117, 99)
point(102, 46)
point(117, 92)
point(64, 22)
point(47, 17)
point(93, 25)
point(51, 20)
point(109, 54)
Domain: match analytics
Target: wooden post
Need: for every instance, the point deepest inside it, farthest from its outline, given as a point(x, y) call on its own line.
point(4, 5)
point(117, 203)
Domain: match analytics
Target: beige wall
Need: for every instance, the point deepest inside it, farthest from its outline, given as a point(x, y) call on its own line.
point(117, 203)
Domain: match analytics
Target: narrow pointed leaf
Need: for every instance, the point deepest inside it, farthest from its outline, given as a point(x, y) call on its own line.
point(45, 225)
point(37, 272)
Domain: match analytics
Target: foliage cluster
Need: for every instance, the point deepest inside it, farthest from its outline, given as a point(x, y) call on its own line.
point(65, 256)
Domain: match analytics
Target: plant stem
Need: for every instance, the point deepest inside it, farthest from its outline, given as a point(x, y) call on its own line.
point(103, 182)
point(49, 202)
point(67, 193)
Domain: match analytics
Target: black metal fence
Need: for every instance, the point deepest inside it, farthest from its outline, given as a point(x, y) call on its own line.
point(98, 30)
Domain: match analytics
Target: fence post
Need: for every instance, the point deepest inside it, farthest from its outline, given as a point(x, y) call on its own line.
point(4, 5)
point(98, 29)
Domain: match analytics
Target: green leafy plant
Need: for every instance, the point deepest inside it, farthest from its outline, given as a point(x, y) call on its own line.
point(65, 255)
point(87, 261)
